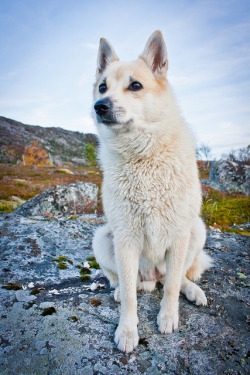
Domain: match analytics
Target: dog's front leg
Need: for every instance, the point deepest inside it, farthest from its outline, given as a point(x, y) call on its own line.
point(127, 259)
point(168, 316)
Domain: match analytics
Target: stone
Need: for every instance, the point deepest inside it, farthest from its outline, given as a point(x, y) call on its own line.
point(78, 337)
point(229, 176)
point(24, 296)
point(70, 199)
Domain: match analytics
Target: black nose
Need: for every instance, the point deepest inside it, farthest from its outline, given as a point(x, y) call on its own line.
point(102, 107)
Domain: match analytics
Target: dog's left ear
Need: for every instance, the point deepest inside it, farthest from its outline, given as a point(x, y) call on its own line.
point(106, 55)
point(155, 54)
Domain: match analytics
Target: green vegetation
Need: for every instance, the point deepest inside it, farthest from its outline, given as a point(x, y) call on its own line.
point(241, 275)
point(61, 262)
point(35, 291)
point(11, 286)
point(95, 302)
point(65, 171)
point(62, 266)
point(85, 278)
point(90, 154)
point(95, 265)
point(73, 217)
point(62, 258)
point(90, 258)
point(49, 311)
point(7, 206)
point(84, 271)
point(224, 211)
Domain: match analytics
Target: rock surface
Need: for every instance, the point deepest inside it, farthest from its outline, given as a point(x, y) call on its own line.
point(69, 199)
point(68, 326)
point(229, 176)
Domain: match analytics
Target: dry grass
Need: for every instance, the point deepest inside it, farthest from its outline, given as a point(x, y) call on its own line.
point(25, 182)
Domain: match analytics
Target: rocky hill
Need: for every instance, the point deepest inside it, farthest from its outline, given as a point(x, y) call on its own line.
point(62, 146)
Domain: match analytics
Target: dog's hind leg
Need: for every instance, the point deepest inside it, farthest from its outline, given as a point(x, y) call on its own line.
point(197, 261)
point(103, 246)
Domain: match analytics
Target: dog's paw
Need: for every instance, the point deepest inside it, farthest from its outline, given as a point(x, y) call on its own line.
point(148, 286)
point(117, 294)
point(167, 321)
point(195, 294)
point(126, 338)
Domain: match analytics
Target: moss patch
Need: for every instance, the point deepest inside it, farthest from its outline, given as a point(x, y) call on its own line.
point(64, 171)
point(62, 266)
point(61, 262)
point(90, 258)
point(85, 278)
point(11, 286)
point(84, 271)
point(73, 217)
point(95, 302)
point(35, 291)
point(49, 311)
point(62, 259)
point(95, 265)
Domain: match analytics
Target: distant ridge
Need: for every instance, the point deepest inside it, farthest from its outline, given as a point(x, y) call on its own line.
point(63, 146)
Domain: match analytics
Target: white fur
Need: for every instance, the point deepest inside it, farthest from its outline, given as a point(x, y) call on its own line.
point(151, 194)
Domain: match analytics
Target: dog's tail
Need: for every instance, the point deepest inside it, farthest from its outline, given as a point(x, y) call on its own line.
point(201, 262)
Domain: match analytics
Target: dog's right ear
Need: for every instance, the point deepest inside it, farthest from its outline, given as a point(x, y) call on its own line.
point(106, 55)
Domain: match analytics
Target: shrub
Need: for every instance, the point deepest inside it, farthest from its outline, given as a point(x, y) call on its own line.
point(90, 155)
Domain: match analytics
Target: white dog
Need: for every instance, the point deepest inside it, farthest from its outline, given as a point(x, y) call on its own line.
point(151, 190)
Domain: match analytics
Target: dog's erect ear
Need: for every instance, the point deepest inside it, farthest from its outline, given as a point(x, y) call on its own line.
point(106, 55)
point(155, 54)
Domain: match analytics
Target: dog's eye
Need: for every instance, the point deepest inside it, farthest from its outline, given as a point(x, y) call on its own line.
point(102, 88)
point(135, 86)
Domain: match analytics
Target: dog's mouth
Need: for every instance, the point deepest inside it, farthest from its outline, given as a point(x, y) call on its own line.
point(110, 122)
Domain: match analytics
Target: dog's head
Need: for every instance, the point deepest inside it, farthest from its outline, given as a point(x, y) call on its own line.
point(131, 95)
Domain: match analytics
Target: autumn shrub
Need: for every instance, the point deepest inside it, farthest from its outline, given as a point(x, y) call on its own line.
point(35, 154)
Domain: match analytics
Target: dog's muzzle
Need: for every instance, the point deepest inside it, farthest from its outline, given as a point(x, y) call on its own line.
point(106, 115)
point(102, 107)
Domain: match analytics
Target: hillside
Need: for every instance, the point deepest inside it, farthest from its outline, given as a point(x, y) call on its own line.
point(62, 146)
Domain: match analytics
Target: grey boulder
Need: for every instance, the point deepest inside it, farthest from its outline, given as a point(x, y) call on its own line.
point(69, 199)
point(230, 176)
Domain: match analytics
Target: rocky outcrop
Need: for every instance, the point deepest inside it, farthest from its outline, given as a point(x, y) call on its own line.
point(74, 199)
point(53, 321)
point(229, 176)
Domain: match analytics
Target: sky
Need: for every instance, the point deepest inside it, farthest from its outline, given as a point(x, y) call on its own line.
point(48, 53)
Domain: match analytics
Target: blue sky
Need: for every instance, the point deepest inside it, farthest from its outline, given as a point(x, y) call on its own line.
point(48, 51)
